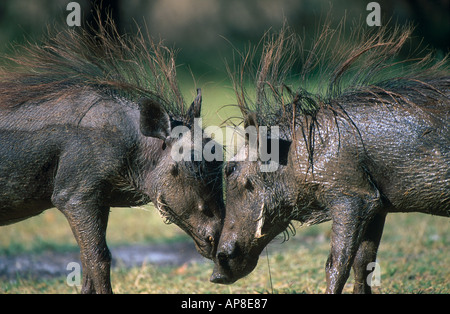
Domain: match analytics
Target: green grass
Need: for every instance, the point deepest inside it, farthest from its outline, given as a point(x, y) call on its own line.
point(413, 257)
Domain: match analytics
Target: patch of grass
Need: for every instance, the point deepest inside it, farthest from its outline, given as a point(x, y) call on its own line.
point(413, 257)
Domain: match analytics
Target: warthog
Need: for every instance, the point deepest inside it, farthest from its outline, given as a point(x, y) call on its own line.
point(369, 141)
point(86, 121)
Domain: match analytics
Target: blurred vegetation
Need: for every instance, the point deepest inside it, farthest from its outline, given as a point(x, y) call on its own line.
point(205, 31)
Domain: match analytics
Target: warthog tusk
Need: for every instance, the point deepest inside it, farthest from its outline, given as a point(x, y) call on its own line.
point(162, 213)
point(260, 223)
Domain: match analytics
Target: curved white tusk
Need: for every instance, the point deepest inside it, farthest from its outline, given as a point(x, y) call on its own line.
point(260, 223)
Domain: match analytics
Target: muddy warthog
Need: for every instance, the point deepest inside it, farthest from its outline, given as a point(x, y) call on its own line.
point(86, 121)
point(370, 140)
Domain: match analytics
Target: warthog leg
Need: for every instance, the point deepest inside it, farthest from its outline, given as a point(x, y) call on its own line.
point(351, 217)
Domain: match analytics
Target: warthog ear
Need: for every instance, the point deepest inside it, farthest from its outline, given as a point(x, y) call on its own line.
point(251, 121)
point(284, 151)
point(195, 109)
point(154, 120)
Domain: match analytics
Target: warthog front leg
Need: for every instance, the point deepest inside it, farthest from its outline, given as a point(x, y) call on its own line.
point(351, 216)
point(89, 230)
point(88, 222)
point(367, 253)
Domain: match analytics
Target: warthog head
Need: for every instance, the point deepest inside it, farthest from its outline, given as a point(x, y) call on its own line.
point(258, 194)
point(186, 185)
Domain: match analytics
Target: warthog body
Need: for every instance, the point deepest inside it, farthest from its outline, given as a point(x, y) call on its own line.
point(351, 155)
point(85, 124)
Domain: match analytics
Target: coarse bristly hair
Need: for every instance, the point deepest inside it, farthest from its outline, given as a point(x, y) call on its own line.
point(333, 68)
point(98, 56)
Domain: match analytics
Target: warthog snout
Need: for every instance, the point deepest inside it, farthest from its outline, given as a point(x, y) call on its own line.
point(233, 260)
point(222, 271)
point(219, 277)
point(227, 251)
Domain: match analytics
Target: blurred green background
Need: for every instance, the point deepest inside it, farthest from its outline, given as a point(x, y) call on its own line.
point(206, 32)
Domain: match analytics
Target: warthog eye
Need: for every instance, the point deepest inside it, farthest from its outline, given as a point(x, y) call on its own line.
point(231, 167)
point(174, 170)
point(248, 184)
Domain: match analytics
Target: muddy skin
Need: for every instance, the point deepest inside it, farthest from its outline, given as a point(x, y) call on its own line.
point(84, 169)
point(85, 146)
point(352, 185)
point(352, 159)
